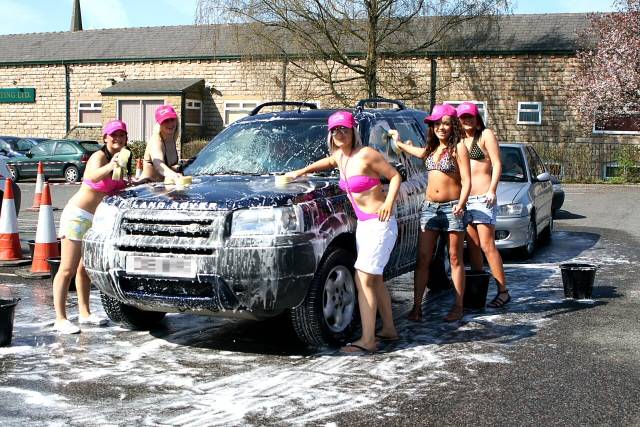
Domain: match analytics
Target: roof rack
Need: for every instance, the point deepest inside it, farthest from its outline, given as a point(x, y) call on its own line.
point(363, 102)
point(298, 104)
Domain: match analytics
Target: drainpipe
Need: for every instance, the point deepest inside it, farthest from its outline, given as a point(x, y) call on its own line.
point(434, 66)
point(285, 61)
point(67, 99)
point(183, 127)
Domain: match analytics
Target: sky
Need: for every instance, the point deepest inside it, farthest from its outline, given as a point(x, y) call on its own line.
point(36, 16)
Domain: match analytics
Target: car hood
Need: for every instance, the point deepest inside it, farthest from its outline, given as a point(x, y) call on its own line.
point(508, 192)
point(224, 193)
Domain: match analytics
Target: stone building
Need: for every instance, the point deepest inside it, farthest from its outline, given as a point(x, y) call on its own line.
point(69, 83)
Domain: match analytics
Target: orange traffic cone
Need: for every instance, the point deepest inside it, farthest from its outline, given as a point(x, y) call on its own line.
point(46, 244)
point(38, 192)
point(10, 251)
point(138, 168)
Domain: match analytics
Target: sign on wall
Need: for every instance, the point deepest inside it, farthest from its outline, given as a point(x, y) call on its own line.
point(18, 94)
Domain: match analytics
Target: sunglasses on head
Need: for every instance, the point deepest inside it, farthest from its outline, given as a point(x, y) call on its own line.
point(341, 129)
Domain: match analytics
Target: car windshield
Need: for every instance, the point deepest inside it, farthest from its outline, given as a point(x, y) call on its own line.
point(263, 147)
point(512, 165)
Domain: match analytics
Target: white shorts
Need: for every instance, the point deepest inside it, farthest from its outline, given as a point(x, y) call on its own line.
point(375, 240)
point(74, 223)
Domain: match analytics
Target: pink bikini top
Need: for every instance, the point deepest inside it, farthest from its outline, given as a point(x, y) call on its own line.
point(106, 185)
point(359, 184)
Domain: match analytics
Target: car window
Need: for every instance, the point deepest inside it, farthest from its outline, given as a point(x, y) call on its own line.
point(25, 145)
point(90, 146)
point(45, 149)
point(539, 164)
point(65, 148)
point(409, 130)
point(513, 169)
point(4, 146)
point(263, 146)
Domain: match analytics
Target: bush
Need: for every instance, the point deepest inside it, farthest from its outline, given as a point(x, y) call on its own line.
point(193, 147)
point(137, 148)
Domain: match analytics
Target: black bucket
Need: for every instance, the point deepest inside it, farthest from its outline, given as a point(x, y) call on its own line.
point(7, 314)
point(54, 263)
point(475, 289)
point(577, 280)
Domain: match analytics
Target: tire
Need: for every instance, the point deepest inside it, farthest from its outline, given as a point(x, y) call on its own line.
point(128, 316)
point(545, 236)
point(526, 251)
point(326, 315)
point(71, 174)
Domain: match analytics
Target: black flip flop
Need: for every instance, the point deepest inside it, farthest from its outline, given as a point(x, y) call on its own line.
point(362, 351)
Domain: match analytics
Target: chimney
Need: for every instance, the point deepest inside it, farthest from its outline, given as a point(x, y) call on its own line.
point(76, 17)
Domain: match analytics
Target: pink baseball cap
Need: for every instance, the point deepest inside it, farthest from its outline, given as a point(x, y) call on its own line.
point(165, 112)
point(341, 118)
point(467, 108)
point(113, 126)
point(439, 111)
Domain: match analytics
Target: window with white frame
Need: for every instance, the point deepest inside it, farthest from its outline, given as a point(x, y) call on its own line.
point(89, 113)
point(482, 108)
point(193, 113)
point(529, 113)
point(234, 110)
point(627, 123)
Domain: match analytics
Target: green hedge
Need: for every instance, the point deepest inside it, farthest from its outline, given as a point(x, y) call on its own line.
point(193, 147)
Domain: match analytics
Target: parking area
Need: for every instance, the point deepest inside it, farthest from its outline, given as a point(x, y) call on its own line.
point(544, 358)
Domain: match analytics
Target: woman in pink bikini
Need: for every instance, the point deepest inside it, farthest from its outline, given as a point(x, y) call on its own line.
point(449, 183)
point(360, 170)
point(77, 218)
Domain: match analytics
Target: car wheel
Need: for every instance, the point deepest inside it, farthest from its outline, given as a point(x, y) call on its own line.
point(326, 315)
point(71, 174)
point(529, 248)
point(128, 316)
point(14, 174)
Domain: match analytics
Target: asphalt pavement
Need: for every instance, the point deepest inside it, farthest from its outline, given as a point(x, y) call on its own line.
point(543, 360)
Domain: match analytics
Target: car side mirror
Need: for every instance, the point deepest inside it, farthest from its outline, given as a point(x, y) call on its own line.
point(402, 170)
point(28, 154)
point(544, 176)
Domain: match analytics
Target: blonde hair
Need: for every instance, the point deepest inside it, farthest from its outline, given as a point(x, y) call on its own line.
point(357, 140)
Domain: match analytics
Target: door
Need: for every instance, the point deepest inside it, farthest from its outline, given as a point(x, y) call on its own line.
point(64, 154)
point(39, 153)
point(139, 117)
point(542, 190)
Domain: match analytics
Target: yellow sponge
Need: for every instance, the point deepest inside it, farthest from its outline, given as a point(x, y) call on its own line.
point(283, 179)
point(183, 180)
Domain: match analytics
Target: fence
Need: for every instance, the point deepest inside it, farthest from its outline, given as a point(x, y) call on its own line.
point(592, 162)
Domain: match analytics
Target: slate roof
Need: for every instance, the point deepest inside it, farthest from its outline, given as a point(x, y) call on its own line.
point(536, 33)
point(159, 86)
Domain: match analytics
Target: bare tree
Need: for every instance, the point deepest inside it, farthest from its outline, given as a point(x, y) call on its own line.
point(608, 72)
point(338, 42)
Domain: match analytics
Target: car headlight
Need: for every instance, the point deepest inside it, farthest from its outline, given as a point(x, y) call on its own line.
point(266, 221)
point(512, 209)
point(104, 220)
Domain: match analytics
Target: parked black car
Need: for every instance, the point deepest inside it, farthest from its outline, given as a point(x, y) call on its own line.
point(62, 158)
point(235, 244)
point(558, 195)
point(14, 146)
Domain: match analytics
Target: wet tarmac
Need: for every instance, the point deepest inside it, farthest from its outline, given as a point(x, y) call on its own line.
point(211, 371)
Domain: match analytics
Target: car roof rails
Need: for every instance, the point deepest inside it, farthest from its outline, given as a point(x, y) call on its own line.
point(361, 104)
point(298, 104)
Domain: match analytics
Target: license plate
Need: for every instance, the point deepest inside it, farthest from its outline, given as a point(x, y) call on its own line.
point(158, 266)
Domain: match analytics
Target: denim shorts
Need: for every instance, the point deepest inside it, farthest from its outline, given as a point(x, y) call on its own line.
point(439, 216)
point(478, 212)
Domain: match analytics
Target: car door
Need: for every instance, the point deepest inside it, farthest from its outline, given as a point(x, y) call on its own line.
point(412, 189)
point(64, 154)
point(542, 191)
point(39, 153)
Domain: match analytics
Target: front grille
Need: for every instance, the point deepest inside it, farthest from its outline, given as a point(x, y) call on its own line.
point(171, 231)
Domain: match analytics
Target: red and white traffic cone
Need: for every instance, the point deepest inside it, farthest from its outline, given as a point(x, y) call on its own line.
point(46, 244)
point(138, 168)
point(38, 192)
point(10, 251)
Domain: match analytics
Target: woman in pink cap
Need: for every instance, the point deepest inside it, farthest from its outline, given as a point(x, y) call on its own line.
point(160, 158)
point(75, 221)
point(486, 168)
point(360, 170)
point(447, 162)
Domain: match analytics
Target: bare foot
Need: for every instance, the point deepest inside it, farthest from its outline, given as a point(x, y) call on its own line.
point(415, 314)
point(454, 314)
point(384, 335)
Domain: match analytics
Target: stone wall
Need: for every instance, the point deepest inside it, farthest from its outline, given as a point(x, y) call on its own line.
point(500, 81)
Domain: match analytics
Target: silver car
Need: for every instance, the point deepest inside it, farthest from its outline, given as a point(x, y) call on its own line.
point(525, 195)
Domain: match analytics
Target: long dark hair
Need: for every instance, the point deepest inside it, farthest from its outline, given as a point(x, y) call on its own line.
point(452, 141)
point(108, 155)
